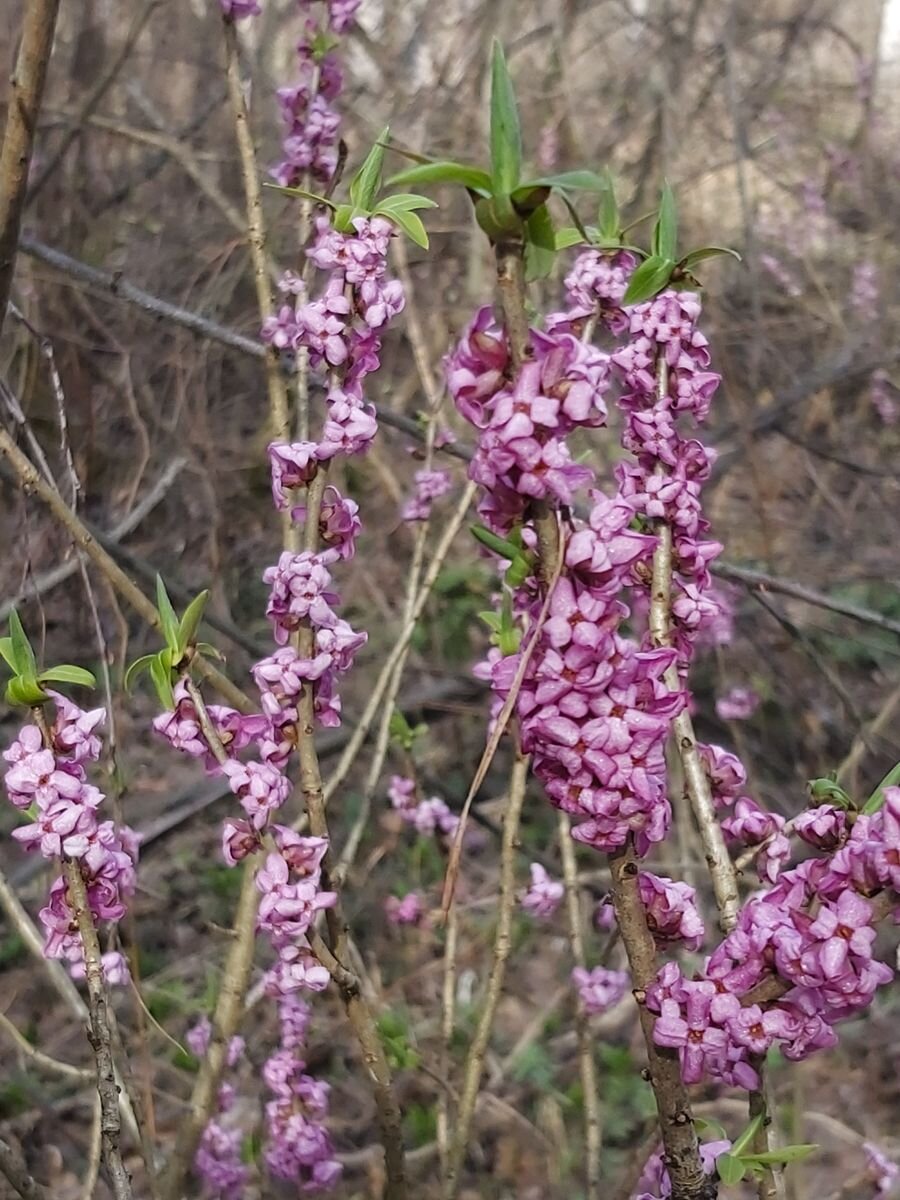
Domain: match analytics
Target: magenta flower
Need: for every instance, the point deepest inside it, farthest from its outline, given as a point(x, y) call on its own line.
point(672, 913)
point(405, 910)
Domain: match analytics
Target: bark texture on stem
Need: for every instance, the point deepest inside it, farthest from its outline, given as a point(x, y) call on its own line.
point(682, 1155)
point(99, 1032)
point(26, 92)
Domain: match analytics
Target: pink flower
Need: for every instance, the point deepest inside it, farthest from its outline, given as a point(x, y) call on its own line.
point(599, 989)
point(738, 704)
point(544, 896)
point(405, 910)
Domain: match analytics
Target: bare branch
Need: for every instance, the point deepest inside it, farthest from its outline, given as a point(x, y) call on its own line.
point(26, 93)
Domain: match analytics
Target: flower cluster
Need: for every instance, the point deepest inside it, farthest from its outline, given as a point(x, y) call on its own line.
point(429, 486)
point(522, 454)
point(218, 1160)
point(311, 121)
point(298, 1148)
point(47, 781)
point(664, 369)
point(428, 817)
point(800, 959)
point(595, 287)
point(405, 910)
point(737, 704)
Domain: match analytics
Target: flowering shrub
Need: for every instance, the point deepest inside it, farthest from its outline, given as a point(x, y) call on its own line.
point(604, 600)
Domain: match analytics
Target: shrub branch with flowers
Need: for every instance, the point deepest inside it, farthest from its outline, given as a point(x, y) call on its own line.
point(603, 594)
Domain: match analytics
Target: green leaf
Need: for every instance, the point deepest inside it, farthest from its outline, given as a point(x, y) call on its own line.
point(743, 1140)
point(190, 622)
point(411, 224)
point(6, 652)
point(527, 199)
point(162, 681)
point(665, 233)
point(67, 673)
point(209, 650)
point(876, 800)
point(730, 1169)
point(20, 690)
point(506, 133)
point(404, 202)
point(498, 218)
point(712, 1129)
point(572, 181)
point(302, 193)
point(23, 656)
point(540, 244)
point(366, 182)
point(493, 620)
point(566, 237)
point(609, 210)
point(828, 791)
point(139, 664)
point(697, 256)
point(499, 545)
point(167, 618)
point(473, 178)
point(648, 279)
point(780, 1155)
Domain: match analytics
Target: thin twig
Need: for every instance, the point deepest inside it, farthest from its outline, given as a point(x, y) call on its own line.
point(22, 923)
point(96, 94)
point(593, 1130)
point(43, 1061)
point(23, 106)
point(373, 706)
point(279, 408)
point(39, 585)
point(477, 1050)
point(13, 1169)
point(31, 479)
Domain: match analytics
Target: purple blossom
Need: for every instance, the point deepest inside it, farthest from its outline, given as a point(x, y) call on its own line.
point(738, 704)
point(600, 989)
point(430, 486)
point(544, 895)
point(672, 913)
point(405, 910)
point(883, 1172)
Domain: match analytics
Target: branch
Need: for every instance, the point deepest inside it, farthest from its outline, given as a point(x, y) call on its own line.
point(478, 1048)
point(760, 581)
point(114, 285)
point(82, 537)
point(99, 1035)
point(689, 1181)
point(26, 93)
point(40, 584)
point(15, 1172)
